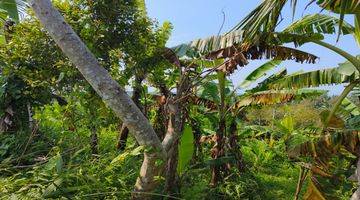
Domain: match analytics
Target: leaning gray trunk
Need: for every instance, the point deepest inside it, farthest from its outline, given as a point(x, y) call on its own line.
point(108, 89)
point(356, 195)
point(124, 132)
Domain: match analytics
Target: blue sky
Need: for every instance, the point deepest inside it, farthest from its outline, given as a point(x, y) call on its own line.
point(194, 19)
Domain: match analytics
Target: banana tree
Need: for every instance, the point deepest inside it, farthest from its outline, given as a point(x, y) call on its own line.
point(229, 106)
point(309, 29)
point(223, 54)
point(326, 146)
point(265, 17)
point(345, 73)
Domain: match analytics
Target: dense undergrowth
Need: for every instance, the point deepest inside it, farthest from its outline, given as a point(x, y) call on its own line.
point(57, 162)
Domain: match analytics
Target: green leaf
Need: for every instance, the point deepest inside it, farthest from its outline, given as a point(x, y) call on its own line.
point(350, 107)
point(52, 188)
point(2, 40)
point(142, 7)
point(186, 149)
point(319, 23)
point(313, 79)
point(347, 68)
point(209, 90)
point(11, 7)
point(221, 161)
point(122, 157)
point(354, 122)
point(259, 72)
point(357, 29)
point(55, 162)
point(288, 123)
point(340, 6)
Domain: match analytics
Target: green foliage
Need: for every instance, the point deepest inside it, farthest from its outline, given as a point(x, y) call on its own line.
point(319, 23)
point(186, 149)
point(55, 158)
point(259, 72)
point(10, 6)
point(314, 79)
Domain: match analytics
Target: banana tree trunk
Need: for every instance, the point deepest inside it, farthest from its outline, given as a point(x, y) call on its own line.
point(124, 132)
point(235, 147)
point(197, 144)
point(109, 90)
point(176, 123)
point(172, 182)
point(218, 150)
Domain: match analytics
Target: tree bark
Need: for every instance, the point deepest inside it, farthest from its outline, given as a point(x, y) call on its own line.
point(108, 89)
point(176, 122)
point(124, 132)
point(172, 184)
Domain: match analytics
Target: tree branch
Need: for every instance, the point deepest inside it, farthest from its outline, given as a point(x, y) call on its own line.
point(107, 88)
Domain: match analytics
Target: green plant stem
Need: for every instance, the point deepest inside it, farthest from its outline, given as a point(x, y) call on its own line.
point(222, 79)
point(341, 52)
point(343, 95)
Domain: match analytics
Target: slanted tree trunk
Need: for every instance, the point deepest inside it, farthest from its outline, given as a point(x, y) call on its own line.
point(124, 132)
point(109, 90)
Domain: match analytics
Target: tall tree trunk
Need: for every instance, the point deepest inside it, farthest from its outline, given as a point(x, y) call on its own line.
point(124, 132)
point(109, 90)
